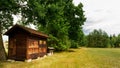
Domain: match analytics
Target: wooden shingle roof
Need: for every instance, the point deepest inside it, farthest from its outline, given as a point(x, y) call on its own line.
point(29, 30)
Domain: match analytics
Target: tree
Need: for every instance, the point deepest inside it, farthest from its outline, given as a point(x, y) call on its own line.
point(56, 18)
point(76, 18)
point(112, 41)
point(84, 41)
point(98, 38)
point(117, 42)
point(7, 9)
point(48, 17)
point(5, 22)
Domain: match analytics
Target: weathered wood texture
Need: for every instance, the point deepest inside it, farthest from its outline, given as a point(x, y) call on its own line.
point(25, 45)
point(36, 47)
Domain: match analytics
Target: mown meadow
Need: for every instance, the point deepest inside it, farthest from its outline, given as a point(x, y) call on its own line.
point(74, 58)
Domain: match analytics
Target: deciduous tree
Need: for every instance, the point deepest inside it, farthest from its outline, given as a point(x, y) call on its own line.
point(7, 9)
point(61, 19)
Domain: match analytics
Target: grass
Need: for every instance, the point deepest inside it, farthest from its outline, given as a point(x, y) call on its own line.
point(74, 58)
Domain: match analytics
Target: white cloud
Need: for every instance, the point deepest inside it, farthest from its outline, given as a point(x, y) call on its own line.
point(101, 14)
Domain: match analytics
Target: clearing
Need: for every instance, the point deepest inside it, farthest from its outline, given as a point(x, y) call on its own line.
point(74, 58)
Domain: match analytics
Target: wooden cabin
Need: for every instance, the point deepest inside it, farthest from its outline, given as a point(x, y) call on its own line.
point(26, 43)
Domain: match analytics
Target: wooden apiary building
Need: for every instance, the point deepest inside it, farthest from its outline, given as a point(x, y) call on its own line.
point(26, 43)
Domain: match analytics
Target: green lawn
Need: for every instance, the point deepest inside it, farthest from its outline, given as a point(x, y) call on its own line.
point(75, 58)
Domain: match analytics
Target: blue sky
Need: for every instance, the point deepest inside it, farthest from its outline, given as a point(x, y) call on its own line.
point(101, 14)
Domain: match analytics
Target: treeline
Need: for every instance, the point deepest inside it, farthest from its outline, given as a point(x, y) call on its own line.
point(101, 39)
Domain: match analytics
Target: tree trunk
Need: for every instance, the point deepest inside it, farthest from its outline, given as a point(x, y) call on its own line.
point(3, 55)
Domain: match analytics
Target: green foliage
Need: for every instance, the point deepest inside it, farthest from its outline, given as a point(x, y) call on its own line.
point(76, 18)
point(74, 44)
point(61, 19)
point(98, 38)
point(117, 42)
point(7, 9)
point(84, 41)
point(112, 40)
point(59, 45)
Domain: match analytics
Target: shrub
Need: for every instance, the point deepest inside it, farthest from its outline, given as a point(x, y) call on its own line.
point(74, 44)
point(58, 44)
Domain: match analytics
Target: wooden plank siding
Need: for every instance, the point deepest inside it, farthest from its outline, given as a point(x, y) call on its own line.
point(36, 48)
point(17, 46)
point(26, 43)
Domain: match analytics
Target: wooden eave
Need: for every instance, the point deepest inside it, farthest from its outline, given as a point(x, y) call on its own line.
point(29, 30)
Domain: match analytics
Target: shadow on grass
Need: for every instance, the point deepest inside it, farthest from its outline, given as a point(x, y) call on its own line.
point(70, 51)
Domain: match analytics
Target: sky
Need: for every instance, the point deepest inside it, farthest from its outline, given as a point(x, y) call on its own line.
point(101, 14)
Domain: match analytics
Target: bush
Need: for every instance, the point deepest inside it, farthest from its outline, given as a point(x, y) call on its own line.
point(74, 44)
point(59, 45)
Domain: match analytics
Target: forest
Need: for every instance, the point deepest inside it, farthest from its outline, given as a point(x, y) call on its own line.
point(100, 39)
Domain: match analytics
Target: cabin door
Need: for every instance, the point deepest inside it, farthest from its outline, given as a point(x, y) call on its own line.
point(20, 48)
point(12, 48)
